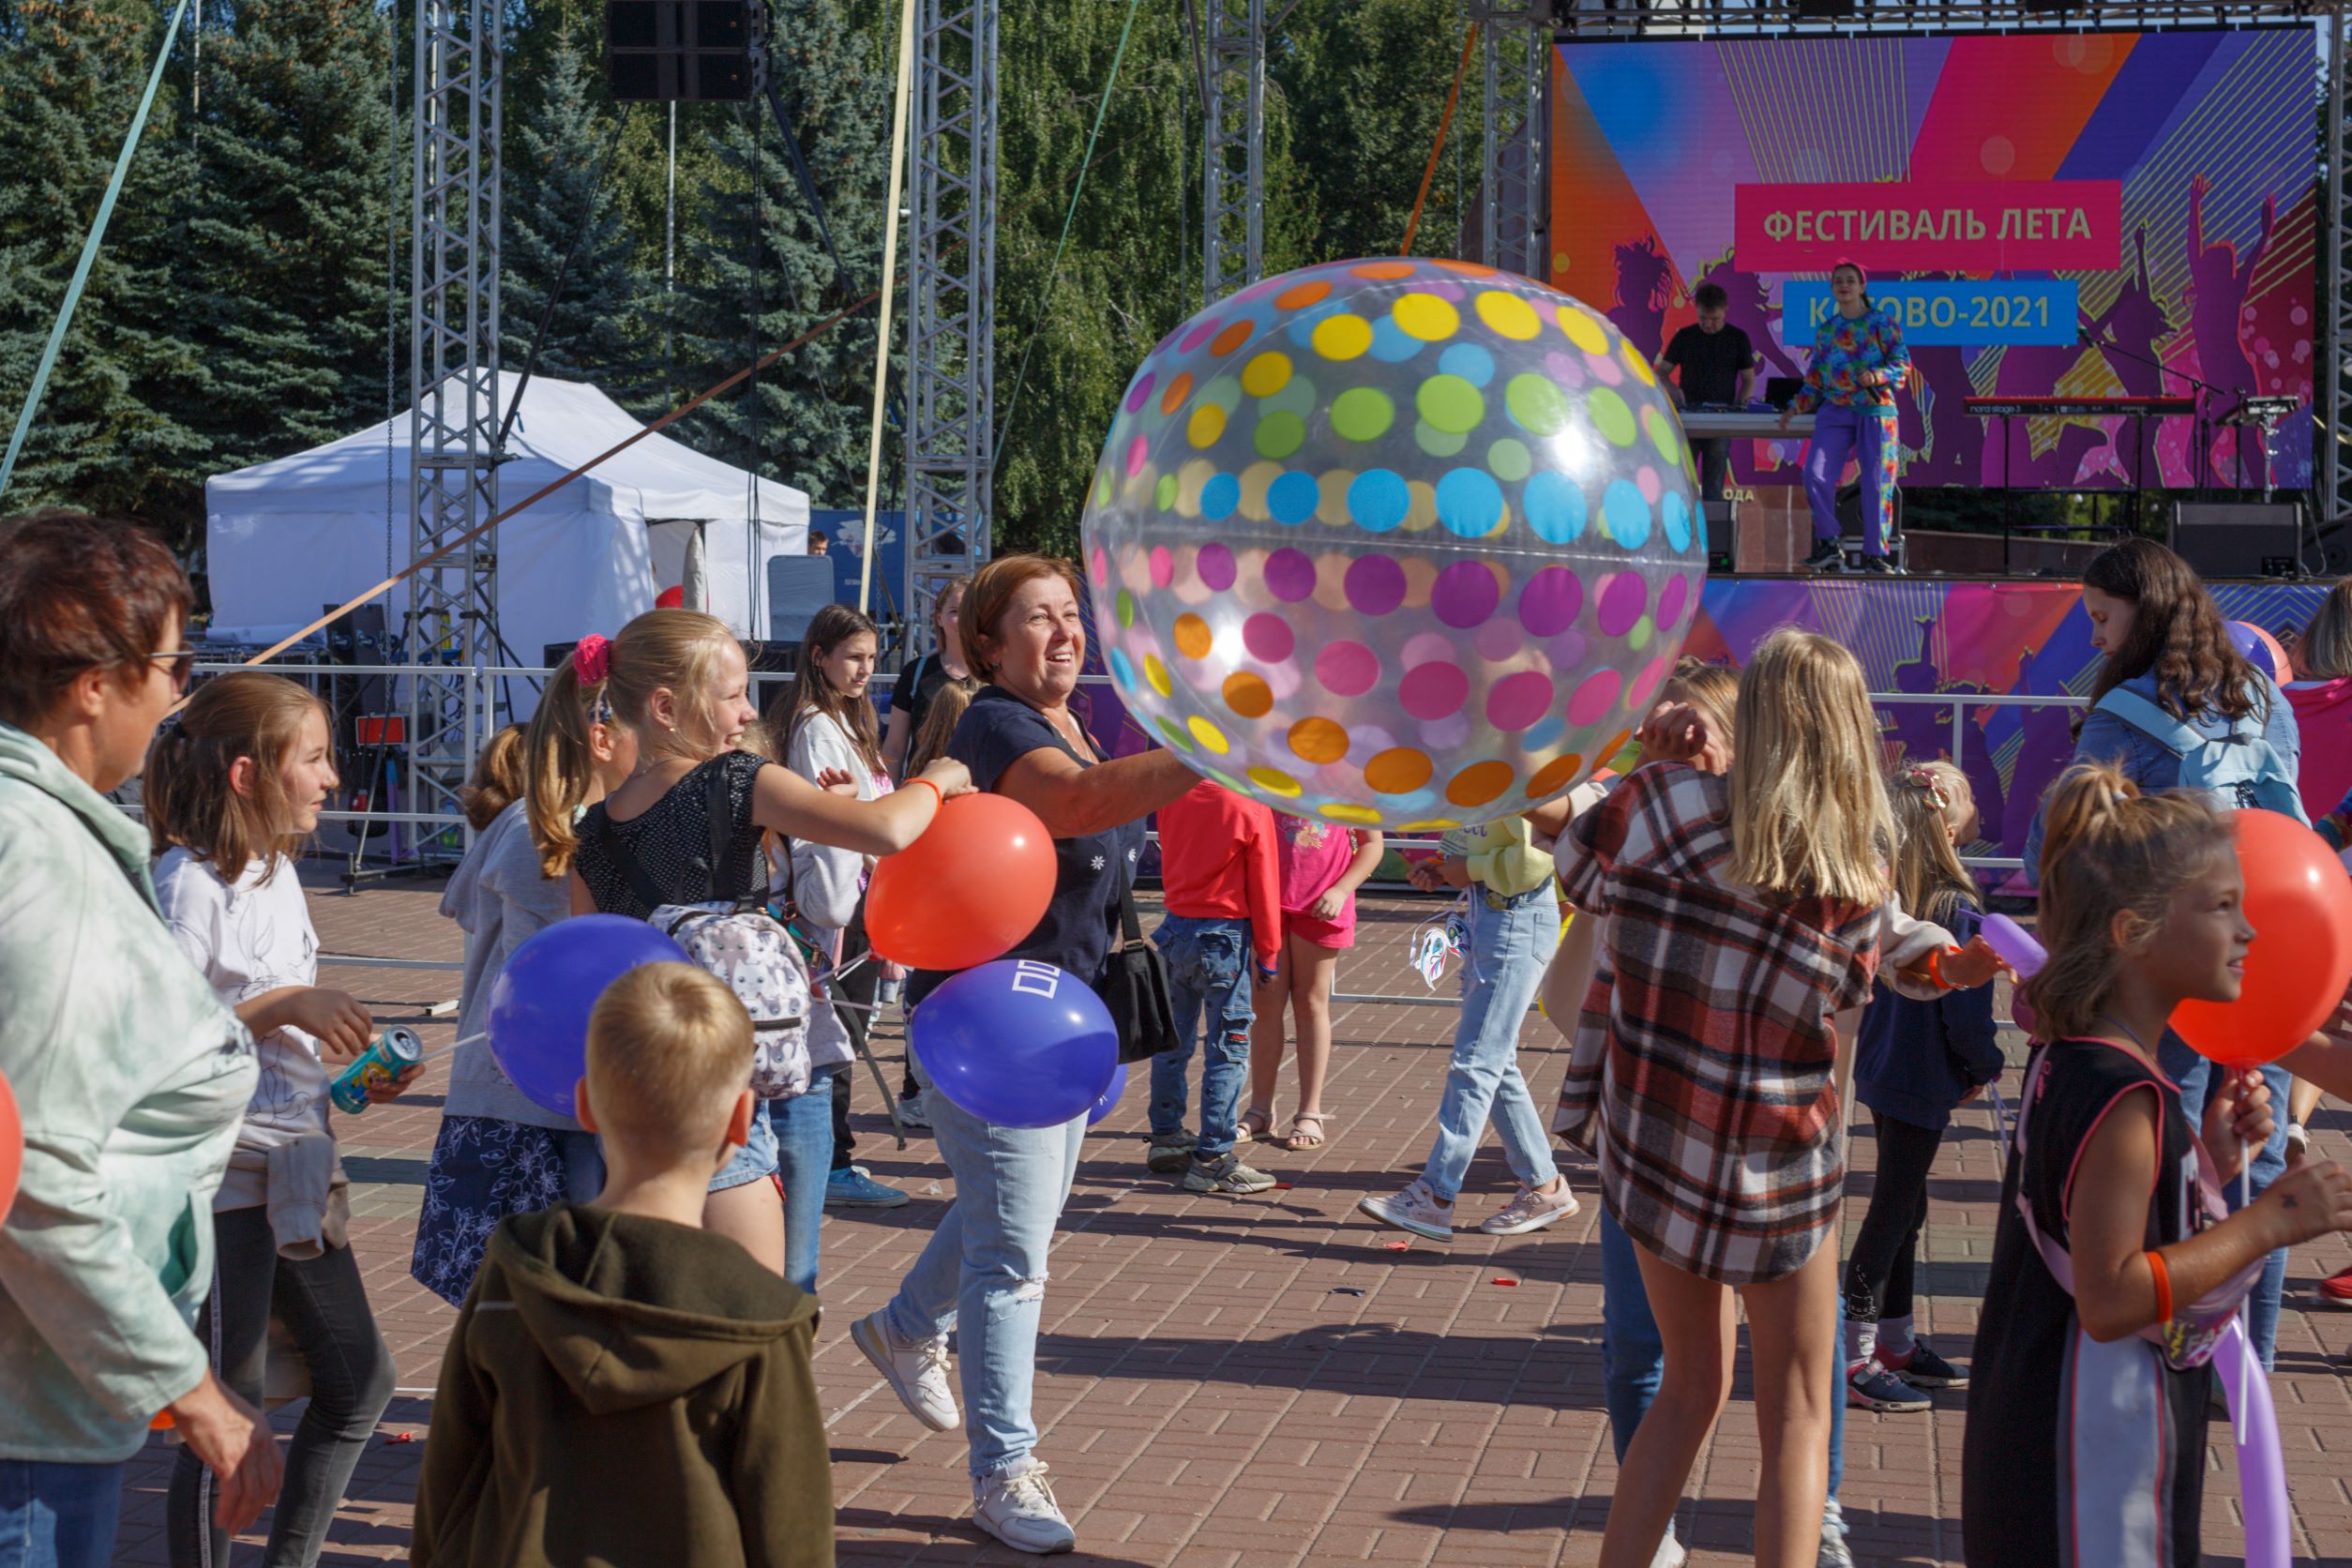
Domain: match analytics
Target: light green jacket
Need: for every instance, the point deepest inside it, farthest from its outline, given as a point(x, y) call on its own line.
point(130, 1078)
point(1501, 854)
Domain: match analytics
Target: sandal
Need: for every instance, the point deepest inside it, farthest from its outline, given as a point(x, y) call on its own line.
point(1244, 1133)
point(1301, 1140)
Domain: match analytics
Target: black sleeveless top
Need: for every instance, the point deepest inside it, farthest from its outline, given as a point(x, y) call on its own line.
point(2081, 1453)
point(671, 840)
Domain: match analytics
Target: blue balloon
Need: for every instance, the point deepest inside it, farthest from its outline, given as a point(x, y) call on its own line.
point(540, 1002)
point(1017, 1042)
point(1110, 1101)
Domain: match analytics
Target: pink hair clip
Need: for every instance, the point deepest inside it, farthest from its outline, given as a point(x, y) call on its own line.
point(592, 658)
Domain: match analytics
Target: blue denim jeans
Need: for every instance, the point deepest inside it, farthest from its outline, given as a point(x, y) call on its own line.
point(1208, 983)
point(985, 1267)
point(2192, 1072)
point(1632, 1356)
point(804, 1159)
point(1508, 952)
point(58, 1515)
point(756, 1159)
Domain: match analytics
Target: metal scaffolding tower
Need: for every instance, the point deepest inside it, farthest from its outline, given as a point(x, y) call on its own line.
point(453, 371)
point(951, 325)
point(1234, 172)
point(1516, 42)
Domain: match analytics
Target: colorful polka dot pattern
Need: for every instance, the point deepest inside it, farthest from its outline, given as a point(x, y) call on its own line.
point(1397, 543)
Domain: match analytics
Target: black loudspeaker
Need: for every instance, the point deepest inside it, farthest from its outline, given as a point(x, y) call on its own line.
point(691, 51)
point(1722, 536)
point(2239, 538)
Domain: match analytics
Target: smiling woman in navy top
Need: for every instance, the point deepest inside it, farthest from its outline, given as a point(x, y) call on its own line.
point(986, 1263)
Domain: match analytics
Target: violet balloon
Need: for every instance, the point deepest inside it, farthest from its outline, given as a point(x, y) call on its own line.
point(1017, 1042)
point(2015, 946)
point(2261, 1466)
point(1400, 543)
point(1110, 1101)
point(540, 1002)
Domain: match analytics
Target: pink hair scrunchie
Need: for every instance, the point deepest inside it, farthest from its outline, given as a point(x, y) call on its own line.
point(592, 658)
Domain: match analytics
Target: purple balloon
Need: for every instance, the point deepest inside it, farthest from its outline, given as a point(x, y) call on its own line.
point(2256, 648)
point(1017, 1042)
point(2261, 1469)
point(2016, 945)
point(540, 1002)
point(1110, 1097)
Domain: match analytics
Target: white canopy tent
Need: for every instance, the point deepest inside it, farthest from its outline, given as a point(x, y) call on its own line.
point(286, 539)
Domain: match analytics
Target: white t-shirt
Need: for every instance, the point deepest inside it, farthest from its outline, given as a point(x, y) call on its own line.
point(247, 940)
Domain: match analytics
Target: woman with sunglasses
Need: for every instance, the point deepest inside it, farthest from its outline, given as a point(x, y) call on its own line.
point(130, 1075)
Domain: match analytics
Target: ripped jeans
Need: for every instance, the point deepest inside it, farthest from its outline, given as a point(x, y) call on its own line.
point(985, 1267)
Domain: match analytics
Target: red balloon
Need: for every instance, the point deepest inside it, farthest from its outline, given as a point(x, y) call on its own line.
point(2299, 902)
point(11, 1145)
point(670, 599)
point(976, 882)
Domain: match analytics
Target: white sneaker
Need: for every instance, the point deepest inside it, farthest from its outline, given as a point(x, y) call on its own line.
point(1416, 1209)
point(1016, 1507)
point(1669, 1553)
point(1531, 1211)
point(916, 1371)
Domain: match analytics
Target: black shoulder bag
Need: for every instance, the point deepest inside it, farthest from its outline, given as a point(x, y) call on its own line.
point(1135, 988)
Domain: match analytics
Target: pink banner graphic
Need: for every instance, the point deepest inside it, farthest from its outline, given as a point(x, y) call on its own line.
point(1931, 225)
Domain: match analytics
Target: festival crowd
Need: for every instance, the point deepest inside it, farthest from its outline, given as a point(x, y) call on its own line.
point(1739, 937)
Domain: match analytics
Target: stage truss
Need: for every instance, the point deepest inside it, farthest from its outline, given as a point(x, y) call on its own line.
point(456, 213)
point(951, 313)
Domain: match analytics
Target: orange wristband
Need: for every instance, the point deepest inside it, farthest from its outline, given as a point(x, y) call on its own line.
point(2163, 1286)
point(1936, 967)
point(937, 799)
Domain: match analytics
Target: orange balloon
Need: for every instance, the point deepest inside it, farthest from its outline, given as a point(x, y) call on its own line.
point(11, 1145)
point(2299, 902)
point(162, 1422)
point(977, 882)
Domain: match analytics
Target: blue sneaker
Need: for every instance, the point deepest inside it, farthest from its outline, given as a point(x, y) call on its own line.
point(851, 1187)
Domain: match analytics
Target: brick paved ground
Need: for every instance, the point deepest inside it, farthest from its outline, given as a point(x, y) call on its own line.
point(1266, 1381)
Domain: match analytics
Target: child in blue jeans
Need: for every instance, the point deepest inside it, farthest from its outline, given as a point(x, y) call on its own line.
point(1514, 926)
point(1220, 882)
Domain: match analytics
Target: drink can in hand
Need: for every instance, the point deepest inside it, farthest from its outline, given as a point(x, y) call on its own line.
point(395, 1051)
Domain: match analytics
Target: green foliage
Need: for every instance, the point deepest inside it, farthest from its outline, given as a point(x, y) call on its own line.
point(238, 311)
point(69, 75)
point(606, 327)
point(759, 275)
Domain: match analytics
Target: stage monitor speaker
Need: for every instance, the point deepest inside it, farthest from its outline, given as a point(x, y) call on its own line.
point(2239, 538)
point(690, 51)
point(1722, 536)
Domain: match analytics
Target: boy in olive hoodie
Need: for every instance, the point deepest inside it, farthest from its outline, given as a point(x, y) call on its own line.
point(624, 1388)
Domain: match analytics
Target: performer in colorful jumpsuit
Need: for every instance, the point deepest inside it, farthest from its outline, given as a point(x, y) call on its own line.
point(1859, 360)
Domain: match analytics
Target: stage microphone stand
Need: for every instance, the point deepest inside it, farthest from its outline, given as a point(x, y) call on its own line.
point(2203, 390)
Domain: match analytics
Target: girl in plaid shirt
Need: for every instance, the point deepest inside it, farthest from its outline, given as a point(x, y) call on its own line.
point(1744, 912)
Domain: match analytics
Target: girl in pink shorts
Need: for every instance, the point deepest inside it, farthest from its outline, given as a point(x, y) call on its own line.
point(1322, 865)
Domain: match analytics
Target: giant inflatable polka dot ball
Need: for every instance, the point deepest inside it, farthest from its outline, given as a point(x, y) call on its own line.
point(1407, 544)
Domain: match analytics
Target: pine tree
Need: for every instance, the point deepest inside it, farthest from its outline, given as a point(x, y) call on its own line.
point(278, 242)
point(70, 73)
point(604, 329)
point(758, 275)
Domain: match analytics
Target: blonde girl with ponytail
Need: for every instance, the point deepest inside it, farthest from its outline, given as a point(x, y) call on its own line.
point(499, 1153)
point(680, 684)
point(2142, 908)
